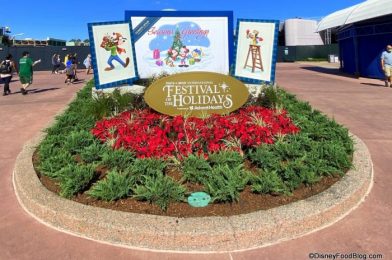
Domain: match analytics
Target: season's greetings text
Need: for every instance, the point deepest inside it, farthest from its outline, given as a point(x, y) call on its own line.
point(184, 32)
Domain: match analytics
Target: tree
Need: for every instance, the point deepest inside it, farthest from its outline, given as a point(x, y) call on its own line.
point(177, 43)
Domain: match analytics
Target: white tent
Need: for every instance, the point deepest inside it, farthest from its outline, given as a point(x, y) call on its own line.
point(360, 12)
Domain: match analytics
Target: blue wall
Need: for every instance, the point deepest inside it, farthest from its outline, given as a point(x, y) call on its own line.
point(347, 55)
point(370, 49)
point(361, 47)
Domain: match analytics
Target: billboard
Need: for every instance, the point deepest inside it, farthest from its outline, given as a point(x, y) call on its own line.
point(182, 41)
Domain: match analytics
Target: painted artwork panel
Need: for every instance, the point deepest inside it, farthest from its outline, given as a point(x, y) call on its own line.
point(256, 51)
point(183, 44)
point(113, 54)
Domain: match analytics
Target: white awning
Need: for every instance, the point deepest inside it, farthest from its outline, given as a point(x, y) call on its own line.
point(360, 12)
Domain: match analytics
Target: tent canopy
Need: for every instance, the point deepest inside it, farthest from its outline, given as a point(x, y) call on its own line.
point(360, 12)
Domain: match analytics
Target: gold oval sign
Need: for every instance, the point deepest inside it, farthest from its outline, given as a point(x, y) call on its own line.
point(196, 94)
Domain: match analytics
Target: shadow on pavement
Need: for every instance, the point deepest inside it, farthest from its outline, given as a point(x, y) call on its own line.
point(331, 71)
point(78, 82)
point(373, 85)
point(34, 91)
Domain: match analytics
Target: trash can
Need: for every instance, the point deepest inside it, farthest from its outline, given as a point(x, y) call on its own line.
point(331, 58)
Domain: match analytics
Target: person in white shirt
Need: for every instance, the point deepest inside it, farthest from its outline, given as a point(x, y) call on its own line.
point(386, 65)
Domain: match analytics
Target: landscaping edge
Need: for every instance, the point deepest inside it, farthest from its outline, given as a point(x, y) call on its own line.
point(201, 234)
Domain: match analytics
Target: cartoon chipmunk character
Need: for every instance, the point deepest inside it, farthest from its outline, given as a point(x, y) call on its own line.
point(109, 44)
point(254, 36)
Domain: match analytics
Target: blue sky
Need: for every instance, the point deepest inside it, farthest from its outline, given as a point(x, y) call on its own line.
point(68, 19)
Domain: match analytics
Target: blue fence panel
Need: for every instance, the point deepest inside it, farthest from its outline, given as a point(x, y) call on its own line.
point(347, 55)
point(370, 49)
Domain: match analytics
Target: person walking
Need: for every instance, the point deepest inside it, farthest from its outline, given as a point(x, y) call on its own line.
point(87, 63)
point(26, 71)
point(66, 58)
point(386, 65)
point(56, 63)
point(7, 67)
point(70, 71)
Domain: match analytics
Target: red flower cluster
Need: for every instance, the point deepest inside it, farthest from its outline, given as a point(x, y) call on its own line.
point(150, 134)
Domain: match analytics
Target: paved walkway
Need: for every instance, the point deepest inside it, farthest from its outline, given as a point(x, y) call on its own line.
point(361, 104)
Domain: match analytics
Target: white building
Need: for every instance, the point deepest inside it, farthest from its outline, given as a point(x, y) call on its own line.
point(301, 32)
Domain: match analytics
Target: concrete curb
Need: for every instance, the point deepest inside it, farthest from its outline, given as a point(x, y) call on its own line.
point(203, 235)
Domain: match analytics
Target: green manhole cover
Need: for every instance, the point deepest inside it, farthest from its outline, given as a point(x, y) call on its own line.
point(199, 199)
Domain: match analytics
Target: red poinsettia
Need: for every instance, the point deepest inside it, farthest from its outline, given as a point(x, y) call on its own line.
point(150, 134)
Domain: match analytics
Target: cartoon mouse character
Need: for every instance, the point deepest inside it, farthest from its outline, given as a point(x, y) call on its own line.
point(183, 56)
point(109, 44)
point(254, 36)
point(173, 54)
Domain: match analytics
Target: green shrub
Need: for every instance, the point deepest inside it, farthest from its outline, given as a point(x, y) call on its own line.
point(76, 141)
point(75, 179)
point(195, 169)
point(268, 97)
point(50, 146)
point(102, 106)
point(145, 167)
point(291, 173)
point(224, 184)
point(92, 153)
point(231, 158)
point(265, 157)
point(336, 155)
point(309, 176)
point(161, 190)
point(122, 102)
point(105, 105)
point(115, 186)
point(118, 158)
point(268, 182)
point(50, 166)
point(288, 150)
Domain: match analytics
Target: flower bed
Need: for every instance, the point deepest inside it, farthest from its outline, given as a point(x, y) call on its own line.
point(115, 149)
point(150, 134)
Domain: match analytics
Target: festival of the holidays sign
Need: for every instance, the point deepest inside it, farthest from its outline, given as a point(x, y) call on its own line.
point(196, 94)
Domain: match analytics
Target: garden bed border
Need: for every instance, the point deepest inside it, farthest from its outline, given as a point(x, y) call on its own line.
point(201, 234)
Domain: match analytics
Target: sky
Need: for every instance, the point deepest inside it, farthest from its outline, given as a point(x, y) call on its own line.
point(68, 19)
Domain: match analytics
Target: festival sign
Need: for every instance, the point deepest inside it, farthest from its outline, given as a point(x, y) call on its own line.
point(176, 42)
point(196, 94)
point(113, 54)
point(256, 50)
